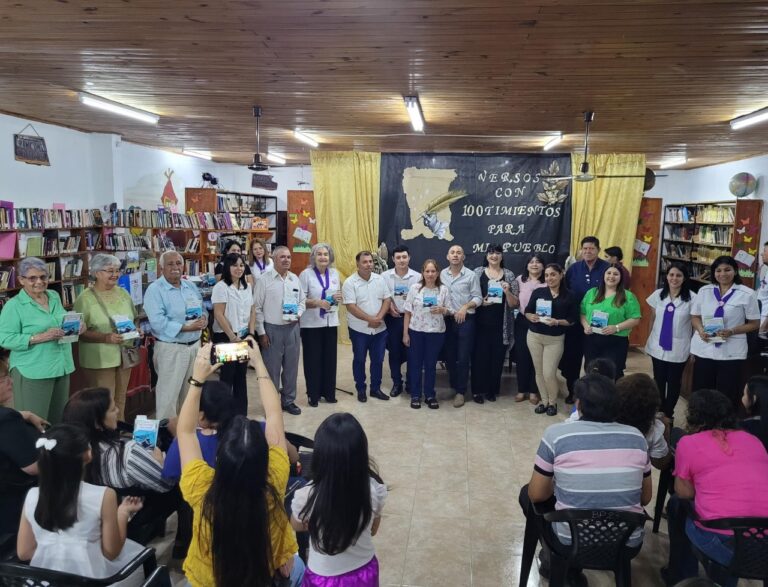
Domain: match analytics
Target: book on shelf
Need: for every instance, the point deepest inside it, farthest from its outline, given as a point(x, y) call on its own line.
point(51, 268)
point(193, 245)
point(679, 233)
point(714, 235)
point(681, 214)
point(6, 215)
point(50, 246)
point(33, 245)
point(162, 242)
point(92, 240)
point(68, 243)
point(71, 267)
point(7, 245)
point(715, 214)
point(70, 292)
point(126, 242)
point(678, 250)
point(7, 277)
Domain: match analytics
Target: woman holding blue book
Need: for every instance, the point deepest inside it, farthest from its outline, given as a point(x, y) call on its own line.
point(608, 313)
point(550, 311)
point(722, 314)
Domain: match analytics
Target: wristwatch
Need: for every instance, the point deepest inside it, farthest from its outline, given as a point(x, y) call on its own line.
point(195, 382)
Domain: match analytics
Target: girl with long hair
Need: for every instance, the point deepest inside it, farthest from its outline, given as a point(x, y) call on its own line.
point(241, 534)
point(79, 527)
point(426, 305)
point(341, 507)
point(258, 258)
point(669, 343)
point(608, 313)
point(532, 278)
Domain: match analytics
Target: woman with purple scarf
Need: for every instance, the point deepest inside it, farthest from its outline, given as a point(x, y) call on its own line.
point(669, 343)
point(722, 315)
point(319, 324)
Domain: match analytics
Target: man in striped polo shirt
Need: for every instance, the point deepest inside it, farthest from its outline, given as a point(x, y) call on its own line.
point(594, 463)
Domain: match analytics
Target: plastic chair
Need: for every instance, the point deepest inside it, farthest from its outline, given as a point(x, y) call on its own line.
point(22, 575)
point(665, 481)
point(159, 578)
point(599, 542)
point(750, 549)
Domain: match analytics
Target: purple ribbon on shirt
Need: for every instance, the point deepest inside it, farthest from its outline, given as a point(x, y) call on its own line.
point(261, 266)
point(720, 310)
point(665, 337)
point(325, 286)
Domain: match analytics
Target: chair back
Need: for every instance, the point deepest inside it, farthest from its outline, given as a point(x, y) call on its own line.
point(750, 545)
point(598, 537)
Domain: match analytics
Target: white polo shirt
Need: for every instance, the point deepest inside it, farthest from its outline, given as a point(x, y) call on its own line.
point(681, 328)
point(312, 291)
point(270, 292)
point(368, 296)
point(399, 286)
point(742, 306)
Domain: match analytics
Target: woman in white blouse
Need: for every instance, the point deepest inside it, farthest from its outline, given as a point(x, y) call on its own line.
point(259, 258)
point(319, 324)
point(669, 343)
point(234, 318)
point(427, 304)
point(722, 314)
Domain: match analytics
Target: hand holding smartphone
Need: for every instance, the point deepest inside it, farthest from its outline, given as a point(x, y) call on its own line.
point(231, 352)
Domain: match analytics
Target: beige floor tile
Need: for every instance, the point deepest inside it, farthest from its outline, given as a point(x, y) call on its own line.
point(439, 532)
point(445, 504)
point(450, 478)
point(491, 569)
point(400, 500)
point(434, 567)
point(497, 536)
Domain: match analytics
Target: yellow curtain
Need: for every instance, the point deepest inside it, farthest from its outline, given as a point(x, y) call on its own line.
point(608, 208)
point(346, 186)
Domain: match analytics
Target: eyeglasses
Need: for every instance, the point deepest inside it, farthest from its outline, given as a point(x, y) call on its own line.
point(35, 278)
point(110, 271)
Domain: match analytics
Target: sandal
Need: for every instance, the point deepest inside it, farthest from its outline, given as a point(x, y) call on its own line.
point(432, 403)
point(415, 404)
point(534, 399)
point(520, 397)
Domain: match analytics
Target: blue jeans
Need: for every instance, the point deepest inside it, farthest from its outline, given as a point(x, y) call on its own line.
point(423, 352)
point(718, 547)
point(459, 342)
point(362, 345)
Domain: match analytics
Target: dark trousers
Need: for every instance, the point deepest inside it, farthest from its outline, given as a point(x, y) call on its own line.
point(607, 346)
point(669, 378)
point(459, 341)
point(234, 374)
point(153, 514)
point(724, 376)
point(319, 354)
point(573, 355)
point(526, 375)
point(422, 357)
point(363, 345)
point(488, 357)
point(396, 350)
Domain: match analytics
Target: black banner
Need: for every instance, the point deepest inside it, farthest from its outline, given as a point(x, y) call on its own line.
point(430, 202)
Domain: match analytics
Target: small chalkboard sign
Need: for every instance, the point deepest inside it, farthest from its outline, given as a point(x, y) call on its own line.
point(30, 149)
point(264, 182)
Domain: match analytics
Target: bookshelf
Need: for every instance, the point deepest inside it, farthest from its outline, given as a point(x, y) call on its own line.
point(696, 234)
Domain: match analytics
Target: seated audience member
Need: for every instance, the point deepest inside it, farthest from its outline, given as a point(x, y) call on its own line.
point(755, 400)
point(242, 497)
point(639, 404)
point(69, 525)
point(18, 455)
point(599, 366)
point(609, 456)
point(122, 463)
point(722, 469)
point(341, 507)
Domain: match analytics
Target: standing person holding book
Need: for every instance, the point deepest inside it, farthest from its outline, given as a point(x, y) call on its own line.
point(531, 279)
point(31, 328)
point(106, 307)
point(399, 279)
point(234, 318)
point(722, 314)
point(608, 313)
point(426, 306)
point(550, 311)
point(669, 343)
point(319, 324)
point(494, 324)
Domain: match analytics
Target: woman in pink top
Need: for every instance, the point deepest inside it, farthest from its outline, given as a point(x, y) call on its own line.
point(722, 469)
point(532, 278)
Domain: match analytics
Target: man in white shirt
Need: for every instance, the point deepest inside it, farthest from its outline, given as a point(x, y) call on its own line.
point(762, 291)
point(399, 280)
point(464, 286)
point(279, 301)
point(367, 298)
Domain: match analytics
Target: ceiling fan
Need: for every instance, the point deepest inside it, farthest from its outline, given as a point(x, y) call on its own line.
point(258, 180)
point(584, 175)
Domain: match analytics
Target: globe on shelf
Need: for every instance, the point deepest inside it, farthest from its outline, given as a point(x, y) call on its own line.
point(742, 184)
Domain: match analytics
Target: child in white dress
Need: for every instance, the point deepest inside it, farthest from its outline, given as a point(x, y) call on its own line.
point(69, 525)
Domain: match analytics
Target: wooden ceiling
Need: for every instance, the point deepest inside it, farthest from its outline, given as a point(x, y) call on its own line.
point(493, 75)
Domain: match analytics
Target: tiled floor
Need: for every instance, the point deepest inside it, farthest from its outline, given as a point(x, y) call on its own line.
point(452, 517)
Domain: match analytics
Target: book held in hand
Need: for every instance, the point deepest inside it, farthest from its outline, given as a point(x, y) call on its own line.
point(145, 432)
point(331, 300)
point(495, 292)
point(712, 326)
point(599, 321)
point(544, 311)
point(125, 327)
point(70, 324)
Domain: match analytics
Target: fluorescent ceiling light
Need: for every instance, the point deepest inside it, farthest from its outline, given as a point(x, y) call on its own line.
point(553, 142)
point(750, 119)
point(197, 153)
point(305, 138)
point(276, 158)
point(673, 162)
point(117, 108)
point(413, 106)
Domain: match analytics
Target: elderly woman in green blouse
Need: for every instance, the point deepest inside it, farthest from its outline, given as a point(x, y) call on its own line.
point(106, 308)
point(30, 327)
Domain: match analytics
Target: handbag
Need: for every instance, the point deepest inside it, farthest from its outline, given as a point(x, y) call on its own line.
point(129, 356)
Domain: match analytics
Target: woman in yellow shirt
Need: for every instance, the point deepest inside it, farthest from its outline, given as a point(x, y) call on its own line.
point(241, 532)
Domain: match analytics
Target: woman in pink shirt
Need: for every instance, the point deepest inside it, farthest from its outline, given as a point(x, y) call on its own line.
point(722, 469)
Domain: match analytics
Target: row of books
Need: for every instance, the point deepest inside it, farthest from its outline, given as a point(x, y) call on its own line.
point(127, 242)
point(92, 241)
point(244, 204)
point(704, 254)
point(680, 233)
point(714, 235)
point(7, 277)
point(676, 250)
point(681, 214)
point(70, 292)
point(194, 267)
point(69, 244)
point(45, 218)
point(715, 214)
point(71, 267)
point(162, 218)
point(193, 245)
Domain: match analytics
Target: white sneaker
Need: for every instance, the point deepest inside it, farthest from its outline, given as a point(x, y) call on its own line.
point(458, 400)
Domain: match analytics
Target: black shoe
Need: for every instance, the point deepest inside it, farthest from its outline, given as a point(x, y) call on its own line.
point(432, 403)
point(378, 395)
point(478, 399)
point(540, 409)
point(552, 410)
point(397, 389)
point(292, 409)
point(415, 404)
point(361, 397)
point(569, 399)
point(332, 400)
point(490, 398)
point(312, 402)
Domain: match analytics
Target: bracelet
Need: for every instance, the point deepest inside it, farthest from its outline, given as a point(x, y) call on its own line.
point(194, 382)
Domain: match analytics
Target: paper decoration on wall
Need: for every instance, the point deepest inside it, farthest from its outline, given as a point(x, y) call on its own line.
point(169, 199)
point(745, 222)
point(748, 239)
point(312, 220)
point(293, 217)
point(752, 251)
point(745, 258)
point(303, 235)
point(741, 230)
point(648, 238)
point(643, 246)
